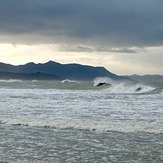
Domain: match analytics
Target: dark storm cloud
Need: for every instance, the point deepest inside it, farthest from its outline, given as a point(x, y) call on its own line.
point(96, 23)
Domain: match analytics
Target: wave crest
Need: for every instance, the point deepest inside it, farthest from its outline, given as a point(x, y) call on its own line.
point(122, 86)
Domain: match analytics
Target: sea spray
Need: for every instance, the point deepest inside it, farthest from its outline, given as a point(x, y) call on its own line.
point(122, 86)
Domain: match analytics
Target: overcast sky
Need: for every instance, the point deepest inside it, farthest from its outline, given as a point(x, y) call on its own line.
point(125, 36)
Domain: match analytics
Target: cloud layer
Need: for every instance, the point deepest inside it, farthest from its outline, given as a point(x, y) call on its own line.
point(101, 25)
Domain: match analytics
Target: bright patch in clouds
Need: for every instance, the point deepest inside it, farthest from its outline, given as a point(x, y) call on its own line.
point(20, 54)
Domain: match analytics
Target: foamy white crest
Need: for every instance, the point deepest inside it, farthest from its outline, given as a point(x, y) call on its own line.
point(69, 81)
point(106, 80)
point(11, 81)
point(123, 86)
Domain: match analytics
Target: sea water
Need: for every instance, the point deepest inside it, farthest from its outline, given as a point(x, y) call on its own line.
point(54, 121)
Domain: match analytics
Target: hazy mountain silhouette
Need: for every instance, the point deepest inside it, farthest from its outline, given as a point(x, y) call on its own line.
point(28, 76)
point(146, 78)
point(56, 70)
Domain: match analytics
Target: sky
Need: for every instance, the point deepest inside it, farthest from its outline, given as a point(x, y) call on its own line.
point(124, 36)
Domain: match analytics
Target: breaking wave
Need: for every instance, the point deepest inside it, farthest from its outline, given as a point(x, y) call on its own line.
point(69, 81)
point(104, 84)
point(116, 86)
point(11, 81)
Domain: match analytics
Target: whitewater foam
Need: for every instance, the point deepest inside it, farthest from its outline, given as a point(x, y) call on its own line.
point(84, 125)
point(49, 120)
point(122, 86)
point(69, 81)
point(101, 110)
point(11, 81)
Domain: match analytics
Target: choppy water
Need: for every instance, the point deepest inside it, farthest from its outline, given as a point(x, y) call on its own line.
point(49, 121)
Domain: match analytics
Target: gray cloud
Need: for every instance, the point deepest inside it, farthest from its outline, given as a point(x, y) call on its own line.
point(83, 48)
point(105, 23)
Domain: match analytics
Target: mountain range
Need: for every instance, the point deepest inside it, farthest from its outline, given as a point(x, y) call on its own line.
point(54, 71)
point(146, 78)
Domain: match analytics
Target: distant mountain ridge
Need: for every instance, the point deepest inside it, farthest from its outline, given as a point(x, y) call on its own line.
point(146, 78)
point(28, 76)
point(54, 70)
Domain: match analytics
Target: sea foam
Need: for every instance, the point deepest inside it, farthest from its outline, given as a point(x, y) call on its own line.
point(121, 86)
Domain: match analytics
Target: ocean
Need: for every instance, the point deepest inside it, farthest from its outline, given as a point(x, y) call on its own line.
point(81, 122)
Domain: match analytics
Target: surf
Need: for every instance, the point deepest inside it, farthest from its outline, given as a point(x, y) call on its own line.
point(122, 86)
point(85, 125)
